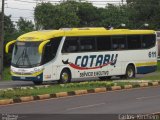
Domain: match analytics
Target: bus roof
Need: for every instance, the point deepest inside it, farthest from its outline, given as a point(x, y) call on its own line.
point(48, 34)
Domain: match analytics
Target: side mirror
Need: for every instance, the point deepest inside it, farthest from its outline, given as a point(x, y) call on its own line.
point(41, 46)
point(8, 45)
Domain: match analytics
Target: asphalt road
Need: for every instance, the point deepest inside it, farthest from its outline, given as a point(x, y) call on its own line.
point(13, 84)
point(103, 106)
point(143, 100)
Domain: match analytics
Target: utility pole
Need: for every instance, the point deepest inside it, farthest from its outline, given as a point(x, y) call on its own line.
point(122, 2)
point(1, 38)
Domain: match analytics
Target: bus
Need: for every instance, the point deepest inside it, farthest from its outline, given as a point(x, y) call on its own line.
point(158, 42)
point(69, 53)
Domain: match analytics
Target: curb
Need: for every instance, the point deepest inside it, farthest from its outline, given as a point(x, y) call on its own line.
point(76, 92)
point(128, 86)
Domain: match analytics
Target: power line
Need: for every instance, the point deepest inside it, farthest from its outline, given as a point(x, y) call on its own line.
point(52, 1)
point(19, 8)
point(106, 1)
point(24, 1)
point(25, 17)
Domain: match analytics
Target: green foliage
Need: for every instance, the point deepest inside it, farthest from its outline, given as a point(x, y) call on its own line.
point(39, 90)
point(158, 66)
point(69, 87)
point(57, 16)
point(11, 33)
point(114, 15)
point(6, 74)
point(88, 15)
point(24, 26)
point(82, 14)
point(144, 11)
point(67, 14)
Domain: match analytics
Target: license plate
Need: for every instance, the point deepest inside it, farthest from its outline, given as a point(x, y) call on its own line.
point(23, 77)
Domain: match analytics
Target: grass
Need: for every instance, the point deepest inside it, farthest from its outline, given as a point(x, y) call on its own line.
point(51, 89)
point(6, 74)
point(154, 76)
point(158, 66)
point(33, 91)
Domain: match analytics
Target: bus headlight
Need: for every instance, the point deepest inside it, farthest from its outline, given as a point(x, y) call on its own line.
point(38, 69)
point(12, 69)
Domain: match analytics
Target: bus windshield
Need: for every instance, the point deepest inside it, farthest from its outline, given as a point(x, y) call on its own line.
point(25, 55)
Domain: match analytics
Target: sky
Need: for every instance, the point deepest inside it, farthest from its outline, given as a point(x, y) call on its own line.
point(25, 8)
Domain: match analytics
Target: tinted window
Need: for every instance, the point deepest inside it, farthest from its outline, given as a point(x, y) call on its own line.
point(148, 41)
point(103, 43)
point(70, 45)
point(158, 34)
point(119, 42)
point(87, 44)
point(134, 42)
point(51, 49)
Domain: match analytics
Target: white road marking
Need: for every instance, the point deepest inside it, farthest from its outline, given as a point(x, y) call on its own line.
point(86, 106)
point(147, 97)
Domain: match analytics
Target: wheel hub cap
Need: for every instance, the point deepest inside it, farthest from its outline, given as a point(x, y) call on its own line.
point(65, 76)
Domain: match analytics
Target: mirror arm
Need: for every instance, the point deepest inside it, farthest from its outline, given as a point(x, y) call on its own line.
point(41, 46)
point(8, 45)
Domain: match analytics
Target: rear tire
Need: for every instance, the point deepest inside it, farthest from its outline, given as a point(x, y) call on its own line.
point(65, 76)
point(130, 72)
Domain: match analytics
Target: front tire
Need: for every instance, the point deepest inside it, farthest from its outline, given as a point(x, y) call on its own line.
point(65, 76)
point(37, 82)
point(130, 72)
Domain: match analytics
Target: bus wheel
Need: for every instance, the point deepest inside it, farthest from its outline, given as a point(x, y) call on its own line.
point(37, 82)
point(65, 76)
point(130, 72)
point(105, 78)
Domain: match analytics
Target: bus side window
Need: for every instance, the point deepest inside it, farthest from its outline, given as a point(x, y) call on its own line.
point(134, 41)
point(115, 46)
point(70, 45)
point(103, 43)
point(87, 44)
point(148, 41)
point(51, 50)
point(119, 42)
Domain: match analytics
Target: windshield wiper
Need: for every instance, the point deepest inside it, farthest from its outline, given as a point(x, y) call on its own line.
point(21, 56)
point(24, 56)
point(28, 60)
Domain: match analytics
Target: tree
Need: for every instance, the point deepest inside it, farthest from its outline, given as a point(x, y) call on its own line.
point(114, 16)
point(48, 16)
point(44, 16)
point(9, 34)
point(82, 14)
point(88, 14)
point(144, 11)
point(24, 25)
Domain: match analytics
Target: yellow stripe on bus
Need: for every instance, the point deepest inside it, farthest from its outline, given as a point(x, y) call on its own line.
point(48, 34)
point(146, 64)
point(27, 75)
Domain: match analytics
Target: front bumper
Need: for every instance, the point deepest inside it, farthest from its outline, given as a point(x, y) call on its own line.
point(26, 78)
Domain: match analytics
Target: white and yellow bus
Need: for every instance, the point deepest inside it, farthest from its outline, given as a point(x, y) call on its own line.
point(66, 54)
point(158, 44)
